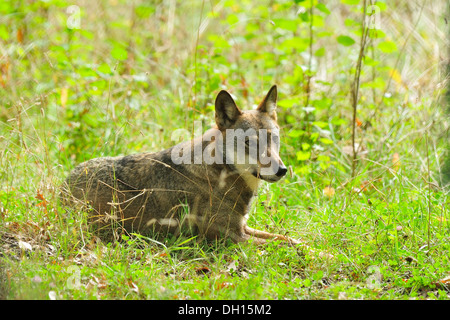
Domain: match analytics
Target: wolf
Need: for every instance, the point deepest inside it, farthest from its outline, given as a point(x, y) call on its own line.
point(204, 186)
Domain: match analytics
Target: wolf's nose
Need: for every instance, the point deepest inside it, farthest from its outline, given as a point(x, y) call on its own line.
point(281, 171)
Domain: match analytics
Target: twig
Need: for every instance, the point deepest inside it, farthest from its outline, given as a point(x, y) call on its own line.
point(355, 86)
point(195, 55)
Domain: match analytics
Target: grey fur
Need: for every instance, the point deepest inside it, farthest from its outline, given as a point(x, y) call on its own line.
point(148, 192)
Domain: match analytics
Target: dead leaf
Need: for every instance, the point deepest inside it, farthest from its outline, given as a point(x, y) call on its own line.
point(43, 203)
point(4, 73)
point(95, 282)
point(64, 96)
point(225, 285)
point(445, 280)
point(342, 296)
point(396, 162)
point(52, 295)
point(20, 35)
point(244, 87)
point(202, 270)
point(39, 195)
point(25, 246)
point(328, 192)
point(232, 266)
point(133, 286)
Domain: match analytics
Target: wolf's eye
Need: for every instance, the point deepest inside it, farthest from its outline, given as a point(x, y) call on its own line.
point(251, 142)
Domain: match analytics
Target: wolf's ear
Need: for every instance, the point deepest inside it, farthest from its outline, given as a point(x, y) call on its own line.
point(269, 104)
point(227, 111)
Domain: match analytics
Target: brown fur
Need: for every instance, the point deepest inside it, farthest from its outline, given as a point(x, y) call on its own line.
point(150, 193)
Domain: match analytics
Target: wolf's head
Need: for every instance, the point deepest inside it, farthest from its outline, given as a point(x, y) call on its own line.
point(251, 138)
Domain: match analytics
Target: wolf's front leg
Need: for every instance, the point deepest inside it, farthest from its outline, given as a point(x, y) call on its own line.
point(236, 235)
point(263, 235)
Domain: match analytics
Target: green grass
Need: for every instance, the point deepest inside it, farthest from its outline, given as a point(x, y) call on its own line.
point(133, 73)
point(388, 242)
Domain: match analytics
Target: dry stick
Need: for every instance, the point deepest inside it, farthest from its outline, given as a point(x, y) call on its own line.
point(355, 89)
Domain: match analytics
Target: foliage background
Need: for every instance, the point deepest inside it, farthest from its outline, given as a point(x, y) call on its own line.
point(85, 79)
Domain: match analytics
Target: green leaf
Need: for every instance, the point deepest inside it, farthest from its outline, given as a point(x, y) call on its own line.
point(345, 40)
point(304, 16)
point(387, 46)
point(287, 103)
point(338, 121)
point(299, 44)
point(350, 2)
point(326, 141)
point(320, 124)
point(351, 23)
point(295, 133)
point(119, 53)
point(381, 5)
point(105, 69)
point(320, 52)
point(232, 19)
point(144, 11)
point(306, 146)
point(323, 8)
point(314, 136)
point(219, 41)
point(318, 275)
point(368, 61)
point(376, 33)
point(318, 21)
point(4, 33)
point(323, 158)
point(303, 155)
point(307, 282)
point(286, 24)
point(87, 34)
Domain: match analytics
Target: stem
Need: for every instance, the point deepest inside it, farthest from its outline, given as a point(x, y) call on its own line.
point(355, 86)
point(308, 72)
point(195, 55)
point(429, 193)
point(309, 76)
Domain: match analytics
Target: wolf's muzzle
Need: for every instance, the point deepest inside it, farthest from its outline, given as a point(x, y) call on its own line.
point(281, 171)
